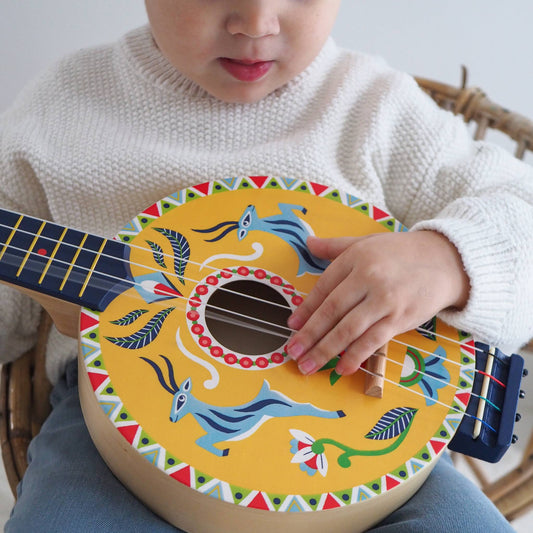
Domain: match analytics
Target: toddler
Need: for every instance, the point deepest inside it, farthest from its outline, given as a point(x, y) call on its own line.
point(220, 88)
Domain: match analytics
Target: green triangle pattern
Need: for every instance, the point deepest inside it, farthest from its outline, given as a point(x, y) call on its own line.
point(166, 207)
point(303, 187)
point(374, 486)
point(191, 195)
point(97, 363)
point(201, 479)
point(244, 185)
point(313, 500)
point(93, 336)
point(277, 500)
point(171, 460)
point(124, 416)
point(401, 472)
point(345, 496)
point(424, 455)
point(363, 208)
point(239, 493)
point(442, 432)
point(145, 440)
point(220, 186)
point(144, 221)
point(388, 224)
point(463, 335)
point(466, 359)
point(272, 184)
point(334, 195)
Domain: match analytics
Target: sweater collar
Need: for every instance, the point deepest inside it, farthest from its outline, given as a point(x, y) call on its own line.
point(141, 52)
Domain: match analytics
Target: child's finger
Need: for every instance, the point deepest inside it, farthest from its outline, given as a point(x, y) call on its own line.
point(363, 347)
point(329, 248)
point(335, 309)
point(330, 279)
point(353, 325)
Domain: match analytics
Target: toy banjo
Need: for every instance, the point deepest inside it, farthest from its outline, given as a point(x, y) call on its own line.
point(188, 391)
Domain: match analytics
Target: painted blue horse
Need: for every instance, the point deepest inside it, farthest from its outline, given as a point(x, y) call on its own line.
point(287, 225)
point(231, 423)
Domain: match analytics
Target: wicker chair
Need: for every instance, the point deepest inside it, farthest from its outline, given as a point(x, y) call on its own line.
point(24, 404)
point(24, 389)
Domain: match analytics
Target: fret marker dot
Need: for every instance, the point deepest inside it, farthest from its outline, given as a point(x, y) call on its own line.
point(42, 251)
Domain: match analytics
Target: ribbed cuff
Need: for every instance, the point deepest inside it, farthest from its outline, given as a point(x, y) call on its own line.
point(486, 254)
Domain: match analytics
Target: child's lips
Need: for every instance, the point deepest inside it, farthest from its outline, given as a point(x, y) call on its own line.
point(246, 69)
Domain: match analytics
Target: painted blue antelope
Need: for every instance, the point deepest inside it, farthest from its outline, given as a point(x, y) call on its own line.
point(223, 424)
point(287, 225)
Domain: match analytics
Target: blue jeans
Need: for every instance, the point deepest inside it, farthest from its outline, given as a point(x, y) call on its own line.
point(68, 488)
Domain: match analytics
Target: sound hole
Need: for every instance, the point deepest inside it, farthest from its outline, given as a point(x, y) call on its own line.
point(248, 317)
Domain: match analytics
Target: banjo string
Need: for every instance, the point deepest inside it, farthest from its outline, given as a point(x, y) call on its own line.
point(256, 327)
point(451, 407)
point(170, 274)
point(174, 275)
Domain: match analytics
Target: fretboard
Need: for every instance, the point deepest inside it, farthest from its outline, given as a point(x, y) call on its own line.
point(61, 262)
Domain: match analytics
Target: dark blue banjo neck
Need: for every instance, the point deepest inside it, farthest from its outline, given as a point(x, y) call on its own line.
point(63, 263)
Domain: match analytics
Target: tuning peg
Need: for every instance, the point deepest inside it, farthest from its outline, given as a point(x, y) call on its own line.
point(521, 394)
point(514, 439)
point(525, 372)
point(517, 417)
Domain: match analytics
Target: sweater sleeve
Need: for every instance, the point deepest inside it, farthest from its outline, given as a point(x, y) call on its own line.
point(19, 191)
point(490, 227)
point(476, 194)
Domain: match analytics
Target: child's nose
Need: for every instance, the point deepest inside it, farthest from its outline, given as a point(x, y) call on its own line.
point(255, 19)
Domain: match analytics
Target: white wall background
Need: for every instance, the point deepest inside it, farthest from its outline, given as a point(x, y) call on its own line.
point(424, 37)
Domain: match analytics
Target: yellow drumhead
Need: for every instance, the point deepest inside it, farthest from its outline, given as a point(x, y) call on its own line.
point(222, 409)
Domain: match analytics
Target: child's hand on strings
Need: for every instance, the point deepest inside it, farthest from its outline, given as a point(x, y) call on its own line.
point(376, 287)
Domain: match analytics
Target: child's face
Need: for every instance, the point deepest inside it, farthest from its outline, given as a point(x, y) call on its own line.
point(241, 50)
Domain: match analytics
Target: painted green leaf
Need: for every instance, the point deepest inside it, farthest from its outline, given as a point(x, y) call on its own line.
point(330, 365)
point(130, 318)
point(157, 251)
point(181, 248)
point(392, 423)
point(334, 377)
point(428, 329)
point(145, 335)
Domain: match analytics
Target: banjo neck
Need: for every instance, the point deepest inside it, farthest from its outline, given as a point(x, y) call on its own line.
point(62, 268)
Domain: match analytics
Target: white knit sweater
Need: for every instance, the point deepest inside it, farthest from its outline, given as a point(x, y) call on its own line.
point(109, 131)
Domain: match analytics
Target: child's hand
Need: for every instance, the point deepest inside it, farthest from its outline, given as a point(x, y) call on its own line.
point(376, 287)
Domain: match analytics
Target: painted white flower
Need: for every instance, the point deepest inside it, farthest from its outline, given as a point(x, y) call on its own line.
point(309, 461)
